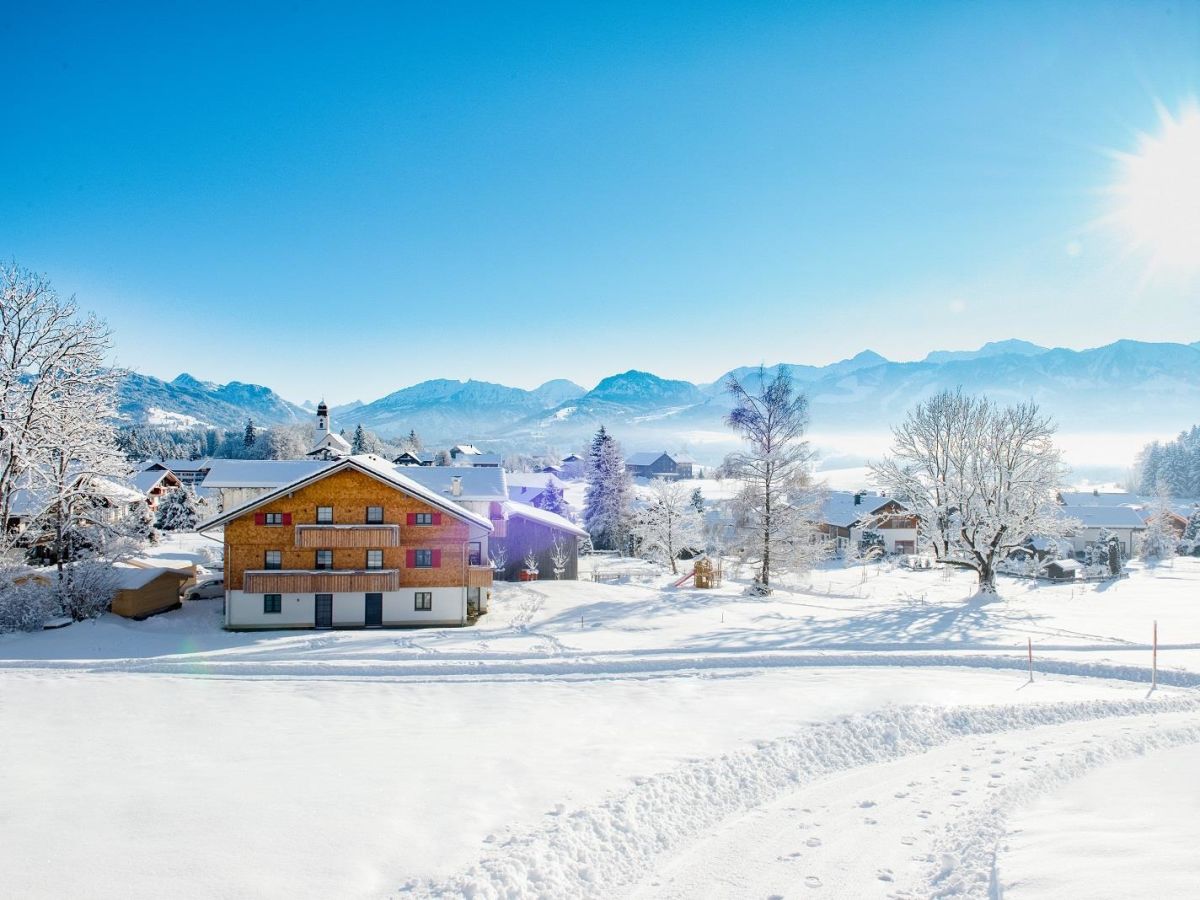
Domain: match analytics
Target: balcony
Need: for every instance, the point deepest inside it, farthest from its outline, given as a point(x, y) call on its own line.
point(479, 576)
point(320, 581)
point(332, 537)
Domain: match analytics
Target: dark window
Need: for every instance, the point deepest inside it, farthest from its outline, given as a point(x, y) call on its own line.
point(374, 559)
point(272, 603)
point(324, 515)
point(474, 554)
point(324, 559)
point(374, 515)
point(273, 559)
point(423, 559)
point(274, 518)
point(423, 519)
point(423, 601)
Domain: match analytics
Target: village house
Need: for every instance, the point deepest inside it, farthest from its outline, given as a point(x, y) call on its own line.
point(188, 471)
point(413, 458)
point(573, 466)
point(847, 515)
point(1123, 521)
point(354, 544)
point(528, 487)
point(154, 483)
point(660, 464)
point(545, 537)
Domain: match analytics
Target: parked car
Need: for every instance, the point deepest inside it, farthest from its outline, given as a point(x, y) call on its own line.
point(206, 589)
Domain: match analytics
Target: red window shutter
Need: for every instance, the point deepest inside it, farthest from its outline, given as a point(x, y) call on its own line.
point(437, 557)
point(287, 518)
point(260, 518)
point(410, 557)
point(411, 519)
point(437, 520)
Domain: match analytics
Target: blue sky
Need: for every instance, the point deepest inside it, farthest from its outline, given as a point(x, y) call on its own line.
point(345, 200)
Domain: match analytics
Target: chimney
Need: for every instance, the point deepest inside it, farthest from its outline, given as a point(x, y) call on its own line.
point(456, 485)
point(858, 499)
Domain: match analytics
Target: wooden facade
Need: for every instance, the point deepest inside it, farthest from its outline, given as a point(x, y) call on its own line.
point(525, 535)
point(159, 594)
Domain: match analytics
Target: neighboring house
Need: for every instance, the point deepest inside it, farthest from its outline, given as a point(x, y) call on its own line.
point(573, 466)
point(845, 515)
point(534, 530)
point(357, 543)
point(470, 455)
point(1123, 521)
point(234, 481)
point(115, 501)
point(188, 471)
point(154, 483)
point(481, 490)
point(527, 487)
point(660, 464)
point(142, 592)
point(1177, 518)
point(413, 458)
point(551, 470)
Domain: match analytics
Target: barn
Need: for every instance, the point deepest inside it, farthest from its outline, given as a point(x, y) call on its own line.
point(144, 592)
point(535, 531)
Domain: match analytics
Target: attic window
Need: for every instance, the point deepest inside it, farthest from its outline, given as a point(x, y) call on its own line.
point(274, 518)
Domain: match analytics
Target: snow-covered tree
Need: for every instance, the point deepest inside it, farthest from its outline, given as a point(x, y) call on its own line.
point(285, 442)
point(442, 458)
point(413, 443)
point(698, 501)
point(499, 555)
point(559, 557)
point(1159, 540)
point(551, 499)
point(530, 562)
point(177, 511)
point(668, 524)
point(778, 503)
point(980, 478)
point(359, 444)
point(606, 499)
point(52, 366)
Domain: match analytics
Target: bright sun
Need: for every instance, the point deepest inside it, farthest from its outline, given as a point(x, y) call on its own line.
point(1157, 196)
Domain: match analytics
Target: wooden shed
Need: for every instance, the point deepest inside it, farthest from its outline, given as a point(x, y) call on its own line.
point(144, 592)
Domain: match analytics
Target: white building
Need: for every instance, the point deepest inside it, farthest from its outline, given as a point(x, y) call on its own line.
point(846, 515)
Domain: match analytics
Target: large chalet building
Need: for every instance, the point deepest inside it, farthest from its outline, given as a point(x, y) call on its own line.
point(355, 543)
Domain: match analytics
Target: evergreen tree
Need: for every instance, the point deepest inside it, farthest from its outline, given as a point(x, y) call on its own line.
point(1158, 540)
point(551, 499)
point(250, 435)
point(606, 501)
point(413, 441)
point(359, 444)
point(178, 511)
point(698, 501)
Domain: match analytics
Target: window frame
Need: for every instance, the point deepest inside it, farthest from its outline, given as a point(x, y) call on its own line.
point(274, 519)
point(423, 519)
point(379, 555)
point(267, 560)
point(372, 520)
point(321, 519)
point(423, 601)
point(417, 564)
point(317, 560)
point(272, 600)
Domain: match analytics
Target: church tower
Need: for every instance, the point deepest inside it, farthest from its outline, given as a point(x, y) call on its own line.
point(322, 420)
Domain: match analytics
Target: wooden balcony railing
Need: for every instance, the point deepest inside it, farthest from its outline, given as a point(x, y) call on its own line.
point(329, 537)
point(479, 576)
point(320, 581)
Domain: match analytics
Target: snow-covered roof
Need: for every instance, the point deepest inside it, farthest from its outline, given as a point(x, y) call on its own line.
point(1104, 516)
point(149, 479)
point(1066, 565)
point(840, 510)
point(260, 473)
point(682, 459)
point(1098, 498)
point(543, 517)
point(645, 457)
point(484, 483)
point(469, 449)
point(179, 465)
point(369, 464)
point(130, 578)
point(483, 459)
point(534, 479)
point(331, 442)
point(414, 454)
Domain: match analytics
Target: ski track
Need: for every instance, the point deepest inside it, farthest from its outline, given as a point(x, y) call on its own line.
point(697, 822)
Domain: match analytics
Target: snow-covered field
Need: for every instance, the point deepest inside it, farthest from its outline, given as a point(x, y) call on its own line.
point(870, 732)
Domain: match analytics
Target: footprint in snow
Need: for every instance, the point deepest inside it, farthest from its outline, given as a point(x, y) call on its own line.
point(869, 821)
point(900, 795)
point(908, 840)
point(957, 792)
point(924, 814)
point(813, 842)
point(812, 881)
point(775, 897)
point(884, 875)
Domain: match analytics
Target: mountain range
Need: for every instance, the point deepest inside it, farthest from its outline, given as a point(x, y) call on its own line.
point(1127, 386)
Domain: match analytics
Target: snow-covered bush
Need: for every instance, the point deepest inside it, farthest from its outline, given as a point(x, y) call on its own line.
point(531, 563)
point(87, 588)
point(1159, 539)
point(178, 511)
point(25, 602)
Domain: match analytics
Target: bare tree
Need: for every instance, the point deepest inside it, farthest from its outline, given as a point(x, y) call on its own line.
point(778, 501)
point(980, 478)
point(668, 524)
point(559, 557)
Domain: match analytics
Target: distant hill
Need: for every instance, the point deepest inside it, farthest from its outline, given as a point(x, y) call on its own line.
point(1127, 386)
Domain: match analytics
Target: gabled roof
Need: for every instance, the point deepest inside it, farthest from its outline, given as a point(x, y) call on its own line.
point(468, 449)
point(332, 442)
point(646, 457)
point(414, 454)
point(543, 517)
point(260, 473)
point(130, 578)
point(840, 510)
point(149, 479)
point(1097, 498)
point(534, 479)
point(368, 464)
point(179, 465)
point(482, 484)
point(1104, 516)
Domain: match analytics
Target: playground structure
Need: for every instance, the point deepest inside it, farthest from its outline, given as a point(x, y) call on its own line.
point(705, 574)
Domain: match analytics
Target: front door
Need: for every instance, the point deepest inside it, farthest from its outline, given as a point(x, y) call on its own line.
point(324, 617)
point(373, 617)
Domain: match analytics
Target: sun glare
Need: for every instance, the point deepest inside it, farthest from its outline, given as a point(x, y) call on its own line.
point(1157, 196)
